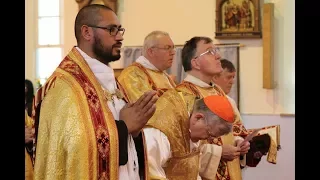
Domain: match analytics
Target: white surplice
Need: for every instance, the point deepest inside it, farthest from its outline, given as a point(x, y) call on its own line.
point(159, 152)
point(147, 64)
point(106, 78)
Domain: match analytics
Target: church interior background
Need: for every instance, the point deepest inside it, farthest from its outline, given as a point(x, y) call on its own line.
point(49, 36)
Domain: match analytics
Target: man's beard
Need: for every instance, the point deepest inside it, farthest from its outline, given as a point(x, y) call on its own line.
point(104, 54)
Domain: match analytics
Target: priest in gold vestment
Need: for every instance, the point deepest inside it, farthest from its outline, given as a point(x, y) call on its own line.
point(173, 134)
point(201, 61)
point(85, 129)
point(148, 72)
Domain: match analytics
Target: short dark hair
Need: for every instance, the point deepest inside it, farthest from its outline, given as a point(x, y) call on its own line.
point(189, 50)
point(226, 64)
point(88, 15)
point(29, 96)
point(30, 92)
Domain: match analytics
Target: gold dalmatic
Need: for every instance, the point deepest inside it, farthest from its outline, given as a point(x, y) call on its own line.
point(171, 118)
point(137, 79)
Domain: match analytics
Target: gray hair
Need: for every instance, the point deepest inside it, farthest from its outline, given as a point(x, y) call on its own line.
point(210, 117)
point(152, 39)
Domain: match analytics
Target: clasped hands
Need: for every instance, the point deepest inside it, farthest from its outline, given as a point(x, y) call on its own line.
point(230, 152)
point(137, 114)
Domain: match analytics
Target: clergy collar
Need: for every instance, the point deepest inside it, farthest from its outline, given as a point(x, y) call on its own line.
point(197, 81)
point(102, 72)
point(146, 63)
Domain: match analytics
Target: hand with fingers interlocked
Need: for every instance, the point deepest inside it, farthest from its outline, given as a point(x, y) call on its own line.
point(230, 152)
point(244, 147)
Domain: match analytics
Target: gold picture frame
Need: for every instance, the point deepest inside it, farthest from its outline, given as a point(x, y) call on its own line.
point(113, 4)
point(238, 19)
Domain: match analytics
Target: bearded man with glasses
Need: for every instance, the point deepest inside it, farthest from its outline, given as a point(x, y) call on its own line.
point(201, 62)
point(86, 128)
point(148, 71)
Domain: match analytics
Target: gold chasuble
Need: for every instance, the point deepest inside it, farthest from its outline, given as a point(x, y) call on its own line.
point(74, 108)
point(172, 118)
point(227, 170)
point(136, 80)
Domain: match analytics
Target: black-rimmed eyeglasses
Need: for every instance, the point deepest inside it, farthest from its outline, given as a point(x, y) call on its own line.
point(212, 51)
point(113, 30)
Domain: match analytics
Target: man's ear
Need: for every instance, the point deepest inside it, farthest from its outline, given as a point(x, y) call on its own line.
point(150, 52)
point(86, 32)
point(198, 116)
point(195, 64)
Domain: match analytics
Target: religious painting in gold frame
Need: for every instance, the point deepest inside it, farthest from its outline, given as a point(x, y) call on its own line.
point(110, 3)
point(238, 19)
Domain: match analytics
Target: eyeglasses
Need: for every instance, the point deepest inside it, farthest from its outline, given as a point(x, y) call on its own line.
point(113, 30)
point(212, 51)
point(166, 48)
